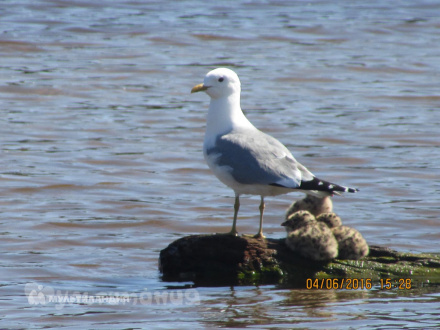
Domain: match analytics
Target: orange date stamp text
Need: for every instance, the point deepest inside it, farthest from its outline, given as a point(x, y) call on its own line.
point(356, 283)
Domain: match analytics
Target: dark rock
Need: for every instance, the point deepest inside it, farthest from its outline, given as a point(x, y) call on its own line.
point(217, 260)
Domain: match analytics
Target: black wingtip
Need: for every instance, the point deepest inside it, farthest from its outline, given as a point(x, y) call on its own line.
point(322, 185)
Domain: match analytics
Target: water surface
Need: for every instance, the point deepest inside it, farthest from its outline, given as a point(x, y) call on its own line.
point(101, 162)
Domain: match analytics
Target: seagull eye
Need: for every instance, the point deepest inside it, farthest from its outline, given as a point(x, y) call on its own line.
point(221, 79)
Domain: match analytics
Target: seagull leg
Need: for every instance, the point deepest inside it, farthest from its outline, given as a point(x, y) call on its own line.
point(260, 231)
point(234, 223)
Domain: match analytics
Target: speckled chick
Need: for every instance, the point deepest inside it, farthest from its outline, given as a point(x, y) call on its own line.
point(352, 245)
point(313, 204)
point(330, 219)
point(297, 220)
point(310, 238)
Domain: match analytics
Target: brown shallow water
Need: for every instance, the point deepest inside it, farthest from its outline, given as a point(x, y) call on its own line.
point(101, 163)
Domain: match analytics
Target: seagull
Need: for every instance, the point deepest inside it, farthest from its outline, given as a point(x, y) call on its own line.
point(244, 158)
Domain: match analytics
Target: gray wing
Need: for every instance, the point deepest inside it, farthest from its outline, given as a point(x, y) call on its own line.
point(257, 158)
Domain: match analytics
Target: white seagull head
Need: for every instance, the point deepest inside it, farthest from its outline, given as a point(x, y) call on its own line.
point(218, 83)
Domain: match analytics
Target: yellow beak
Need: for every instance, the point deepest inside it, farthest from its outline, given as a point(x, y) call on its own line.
point(199, 88)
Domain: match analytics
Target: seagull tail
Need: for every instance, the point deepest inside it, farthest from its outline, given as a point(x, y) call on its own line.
point(325, 187)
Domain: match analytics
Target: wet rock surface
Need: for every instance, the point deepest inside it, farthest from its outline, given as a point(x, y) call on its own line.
point(239, 260)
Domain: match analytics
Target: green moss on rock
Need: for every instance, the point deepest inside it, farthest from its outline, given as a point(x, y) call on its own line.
point(230, 260)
